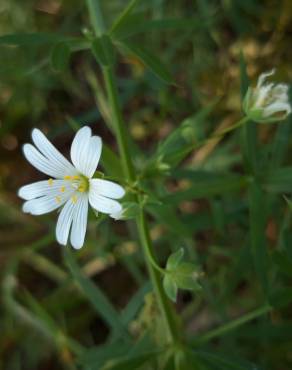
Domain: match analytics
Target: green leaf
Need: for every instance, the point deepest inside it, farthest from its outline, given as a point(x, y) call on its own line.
point(223, 362)
point(30, 39)
point(148, 59)
point(130, 362)
point(103, 50)
point(95, 295)
point(96, 357)
point(60, 56)
point(214, 185)
point(111, 162)
point(283, 262)
point(137, 23)
point(280, 144)
point(279, 180)
point(281, 297)
point(174, 259)
point(257, 222)
point(170, 287)
point(122, 19)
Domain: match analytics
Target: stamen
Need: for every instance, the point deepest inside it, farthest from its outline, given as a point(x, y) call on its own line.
point(74, 199)
point(76, 177)
point(50, 181)
point(67, 177)
point(62, 189)
point(58, 199)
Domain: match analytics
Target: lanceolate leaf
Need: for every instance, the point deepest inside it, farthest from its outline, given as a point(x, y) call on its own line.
point(279, 180)
point(257, 216)
point(136, 23)
point(30, 39)
point(122, 19)
point(217, 185)
point(149, 59)
point(60, 56)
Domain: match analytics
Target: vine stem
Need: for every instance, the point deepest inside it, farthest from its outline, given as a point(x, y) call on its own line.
point(129, 171)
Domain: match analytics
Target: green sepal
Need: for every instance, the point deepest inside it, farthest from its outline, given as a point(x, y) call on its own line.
point(170, 287)
point(186, 276)
point(174, 259)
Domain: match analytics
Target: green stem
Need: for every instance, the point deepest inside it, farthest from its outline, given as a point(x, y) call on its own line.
point(96, 17)
point(222, 133)
point(232, 324)
point(120, 130)
point(143, 230)
point(163, 301)
point(128, 168)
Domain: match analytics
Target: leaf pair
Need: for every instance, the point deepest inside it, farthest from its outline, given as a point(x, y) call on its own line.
point(179, 275)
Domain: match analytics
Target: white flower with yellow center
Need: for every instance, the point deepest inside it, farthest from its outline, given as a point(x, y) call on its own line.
point(267, 102)
point(69, 186)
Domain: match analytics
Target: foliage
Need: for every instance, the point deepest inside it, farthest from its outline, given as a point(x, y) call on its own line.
point(182, 69)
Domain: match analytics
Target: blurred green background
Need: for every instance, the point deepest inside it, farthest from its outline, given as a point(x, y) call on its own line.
point(46, 318)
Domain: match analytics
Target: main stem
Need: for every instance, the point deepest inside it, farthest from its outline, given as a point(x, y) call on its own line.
point(142, 225)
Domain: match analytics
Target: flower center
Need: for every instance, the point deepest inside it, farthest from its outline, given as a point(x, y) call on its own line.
point(78, 182)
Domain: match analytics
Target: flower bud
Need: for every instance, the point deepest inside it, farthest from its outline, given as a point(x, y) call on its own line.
point(267, 102)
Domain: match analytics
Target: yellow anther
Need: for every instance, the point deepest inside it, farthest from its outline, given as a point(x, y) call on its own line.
point(67, 177)
point(76, 177)
point(62, 189)
point(58, 199)
point(74, 199)
point(50, 181)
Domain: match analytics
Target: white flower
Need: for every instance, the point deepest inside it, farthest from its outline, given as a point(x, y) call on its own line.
point(267, 102)
point(70, 186)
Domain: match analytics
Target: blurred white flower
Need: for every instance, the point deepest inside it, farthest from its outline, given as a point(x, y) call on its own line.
point(267, 102)
point(70, 186)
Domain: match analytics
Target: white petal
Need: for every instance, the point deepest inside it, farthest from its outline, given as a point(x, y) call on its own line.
point(40, 162)
point(86, 151)
point(79, 144)
point(263, 77)
point(261, 94)
point(45, 204)
point(64, 222)
point(277, 107)
point(103, 204)
point(79, 222)
point(91, 157)
point(117, 215)
point(40, 188)
point(106, 188)
point(52, 154)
